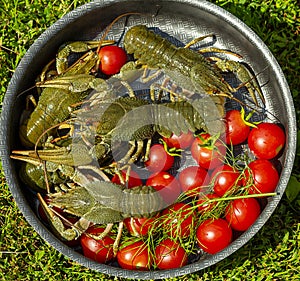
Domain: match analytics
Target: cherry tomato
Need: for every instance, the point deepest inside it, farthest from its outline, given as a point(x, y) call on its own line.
point(225, 178)
point(193, 178)
point(213, 235)
point(167, 185)
point(183, 141)
point(242, 213)
point(237, 130)
point(134, 256)
point(204, 205)
point(262, 175)
point(169, 254)
point(99, 250)
point(112, 58)
point(139, 226)
point(159, 159)
point(133, 180)
point(266, 140)
point(208, 153)
point(179, 220)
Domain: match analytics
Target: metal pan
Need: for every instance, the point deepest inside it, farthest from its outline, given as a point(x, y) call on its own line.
point(183, 20)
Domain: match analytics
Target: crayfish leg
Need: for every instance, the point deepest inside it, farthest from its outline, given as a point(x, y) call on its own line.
point(103, 234)
point(121, 176)
point(118, 238)
point(133, 227)
point(220, 51)
point(30, 99)
point(133, 153)
point(196, 40)
point(148, 77)
point(47, 72)
point(147, 152)
point(139, 149)
point(70, 133)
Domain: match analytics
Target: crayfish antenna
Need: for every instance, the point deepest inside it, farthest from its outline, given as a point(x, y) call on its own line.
point(111, 24)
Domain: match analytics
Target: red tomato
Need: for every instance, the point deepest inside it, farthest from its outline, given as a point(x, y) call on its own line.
point(262, 176)
point(112, 58)
point(193, 178)
point(237, 130)
point(133, 180)
point(139, 226)
point(204, 205)
point(134, 256)
point(99, 250)
point(167, 185)
point(208, 153)
point(169, 254)
point(183, 141)
point(242, 213)
point(213, 235)
point(179, 220)
point(266, 140)
point(159, 160)
point(225, 178)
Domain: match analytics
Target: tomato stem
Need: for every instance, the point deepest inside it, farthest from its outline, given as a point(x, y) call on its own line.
point(243, 196)
point(246, 118)
point(171, 151)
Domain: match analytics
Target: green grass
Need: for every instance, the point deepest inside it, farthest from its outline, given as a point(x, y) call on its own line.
point(273, 254)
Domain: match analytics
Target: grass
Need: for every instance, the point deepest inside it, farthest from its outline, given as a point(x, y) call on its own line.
point(273, 254)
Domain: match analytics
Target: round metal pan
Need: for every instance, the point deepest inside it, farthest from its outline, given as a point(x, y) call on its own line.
point(182, 20)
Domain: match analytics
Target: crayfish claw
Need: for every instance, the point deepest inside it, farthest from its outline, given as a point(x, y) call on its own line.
point(244, 75)
point(57, 225)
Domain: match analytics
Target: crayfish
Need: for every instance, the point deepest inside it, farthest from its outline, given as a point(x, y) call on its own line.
point(183, 64)
point(100, 202)
point(100, 114)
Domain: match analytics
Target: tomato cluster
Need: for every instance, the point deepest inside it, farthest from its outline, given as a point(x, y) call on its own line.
point(202, 218)
point(265, 140)
point(180, 220)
